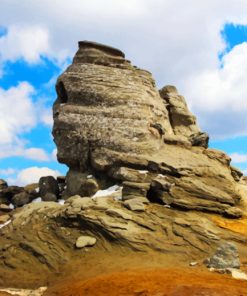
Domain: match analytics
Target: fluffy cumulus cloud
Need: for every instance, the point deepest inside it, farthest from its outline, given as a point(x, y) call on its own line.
point(24, 42)
point(33, 174)
point(17, 112)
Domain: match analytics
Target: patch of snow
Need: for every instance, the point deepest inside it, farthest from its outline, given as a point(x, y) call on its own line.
point(167, 206)
point(89, 176)
point(38, 199)
point(143, 172)
point(37, 189)
point(5, 224)
point(11, 206)
point(109, 191)
point(61, 201)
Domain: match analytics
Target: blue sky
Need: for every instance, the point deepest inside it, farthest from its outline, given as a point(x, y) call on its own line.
point(203, 54)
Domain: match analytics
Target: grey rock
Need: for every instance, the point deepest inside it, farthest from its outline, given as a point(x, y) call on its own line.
point(199, 139)
point(85, 241)
point(7, 193)
point(226, 256)
point(236, 173)
point(21, 199)
point(49, 197)
point(48, 185)
point(79, 183)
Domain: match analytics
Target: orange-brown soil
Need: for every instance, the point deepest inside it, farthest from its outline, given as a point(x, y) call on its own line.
point(155, 282)
point(238, 226)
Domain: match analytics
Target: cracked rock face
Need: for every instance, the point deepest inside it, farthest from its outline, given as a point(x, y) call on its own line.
point(109, 118)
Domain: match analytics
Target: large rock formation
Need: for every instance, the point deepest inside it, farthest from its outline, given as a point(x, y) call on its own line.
point(136, 157)
point(112, 122)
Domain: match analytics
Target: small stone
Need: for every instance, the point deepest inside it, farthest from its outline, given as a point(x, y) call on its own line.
point(85, 241)
point(134, 205)
point(193, 263)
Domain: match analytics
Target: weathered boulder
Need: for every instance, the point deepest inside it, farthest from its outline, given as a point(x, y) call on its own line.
point(226, 256)
point(81, 184)
point(49, 197)
point(111, 121)
point(9, 192)
point(21, 199)
point(48, 185)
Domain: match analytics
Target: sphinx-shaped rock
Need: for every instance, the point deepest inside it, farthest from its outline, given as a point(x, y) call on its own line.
point(111, 122)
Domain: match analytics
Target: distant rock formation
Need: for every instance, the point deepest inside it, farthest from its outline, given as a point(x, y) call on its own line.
point(111, 122)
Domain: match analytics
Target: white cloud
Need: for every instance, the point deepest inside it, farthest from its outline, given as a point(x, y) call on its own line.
point(24, 42)
point(7, 172)
point(33, 174)
point(54, 154)
point(238, 157)
point(45, 116)
point(17, 112)
point(36, 154)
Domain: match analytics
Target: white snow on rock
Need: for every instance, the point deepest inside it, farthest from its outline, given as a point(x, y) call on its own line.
point(11, 206)
point(113, 190)
point(61, 201)
point(89, 176)
point(38, 199)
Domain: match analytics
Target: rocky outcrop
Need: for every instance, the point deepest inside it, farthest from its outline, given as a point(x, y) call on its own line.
point(111, 123)
point(42, 238)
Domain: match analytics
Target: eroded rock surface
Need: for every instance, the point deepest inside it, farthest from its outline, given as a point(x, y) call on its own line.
point(41, 237)
point(109, 117)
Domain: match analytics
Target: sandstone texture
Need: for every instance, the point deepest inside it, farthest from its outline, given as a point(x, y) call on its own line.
point(110, 121)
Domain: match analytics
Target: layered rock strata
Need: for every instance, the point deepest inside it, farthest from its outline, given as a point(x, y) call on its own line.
point(109, 117)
